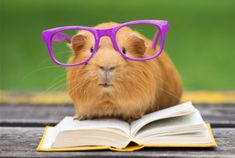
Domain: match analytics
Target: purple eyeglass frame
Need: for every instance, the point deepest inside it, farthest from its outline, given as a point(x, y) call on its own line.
point(49, 36)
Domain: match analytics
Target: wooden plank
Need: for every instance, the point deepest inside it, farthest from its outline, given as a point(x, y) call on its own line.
point(26, 115)
point(61, 97)
point(219, 116)
point(22, 142)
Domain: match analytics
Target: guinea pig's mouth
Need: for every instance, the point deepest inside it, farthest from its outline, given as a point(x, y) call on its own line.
point(105, 85)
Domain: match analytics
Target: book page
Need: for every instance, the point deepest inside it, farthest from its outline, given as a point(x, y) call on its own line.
point(171, 126)
point(178, 110)
point(68, 123)
point(187, 139)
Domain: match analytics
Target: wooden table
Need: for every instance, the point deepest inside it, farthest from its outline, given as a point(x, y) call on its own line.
point(21, 128)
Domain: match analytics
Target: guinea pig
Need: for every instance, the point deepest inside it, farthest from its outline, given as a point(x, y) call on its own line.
point(112, 86)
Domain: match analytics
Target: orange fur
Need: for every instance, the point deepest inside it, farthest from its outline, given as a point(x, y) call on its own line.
point(137, 87)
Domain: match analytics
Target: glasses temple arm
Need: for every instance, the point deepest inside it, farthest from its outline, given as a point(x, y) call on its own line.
point(58, 37)
point(155, 40)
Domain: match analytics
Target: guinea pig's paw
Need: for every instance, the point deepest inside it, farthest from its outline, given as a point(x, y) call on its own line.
point(80, 117)
point(83, 117)
point(133, 117)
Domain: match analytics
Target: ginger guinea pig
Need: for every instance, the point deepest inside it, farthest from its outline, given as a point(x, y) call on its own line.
point(111, 86)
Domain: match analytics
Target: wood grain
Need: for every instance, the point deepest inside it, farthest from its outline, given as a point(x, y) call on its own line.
point(21, 128)
point(27, 115)
point(22, 142)
point(39, 116)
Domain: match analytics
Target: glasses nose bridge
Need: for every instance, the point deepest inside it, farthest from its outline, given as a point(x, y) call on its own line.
point(105, 32)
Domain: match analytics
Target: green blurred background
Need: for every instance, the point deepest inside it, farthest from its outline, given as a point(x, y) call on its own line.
point(201, 39)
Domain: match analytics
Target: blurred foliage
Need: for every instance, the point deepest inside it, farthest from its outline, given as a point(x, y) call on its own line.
point(201, 39)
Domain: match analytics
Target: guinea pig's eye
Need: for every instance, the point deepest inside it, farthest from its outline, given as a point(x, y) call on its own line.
point(91, 49)
point(124, 50)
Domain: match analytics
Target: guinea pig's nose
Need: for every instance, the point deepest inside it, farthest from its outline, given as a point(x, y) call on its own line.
point(107, 68)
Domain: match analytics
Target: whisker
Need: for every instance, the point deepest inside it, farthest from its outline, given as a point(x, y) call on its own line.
point(55, 84)
point(57, 78)
point(168, 92)
point(37, 70)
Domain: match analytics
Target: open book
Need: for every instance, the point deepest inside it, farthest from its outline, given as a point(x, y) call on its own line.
point(177, 126)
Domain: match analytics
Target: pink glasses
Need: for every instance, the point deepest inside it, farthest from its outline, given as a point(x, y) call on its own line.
point(57, 40)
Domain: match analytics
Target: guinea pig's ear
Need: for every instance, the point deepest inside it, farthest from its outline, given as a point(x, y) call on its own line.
point(78, 43)
point(136, 44)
